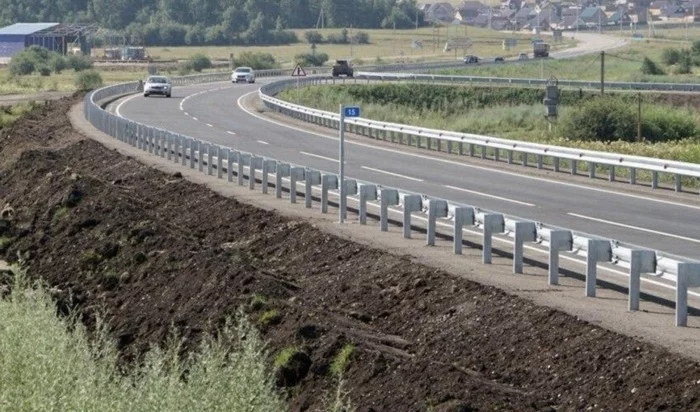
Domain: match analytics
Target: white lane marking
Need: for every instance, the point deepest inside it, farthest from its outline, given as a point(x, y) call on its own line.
point(261, 142)
point(656, 232)
point(210, 125)
point(371, 169)
point(194, 118)
point(187, 114)
point(451, 162)
point(119, 106)
point(230, 132)
point(320, 157)
point(505, 199)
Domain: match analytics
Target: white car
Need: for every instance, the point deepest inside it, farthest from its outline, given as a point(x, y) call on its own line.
point(243, 74)
point(157, 85)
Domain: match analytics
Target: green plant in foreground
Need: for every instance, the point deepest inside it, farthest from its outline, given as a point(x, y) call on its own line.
point(342, 359)
point(49, 363)
point(269, 317)
point(258, 302)
point(285, 355)
point(5, 241)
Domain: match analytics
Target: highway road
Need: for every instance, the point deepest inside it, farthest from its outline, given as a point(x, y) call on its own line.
point(216, 113)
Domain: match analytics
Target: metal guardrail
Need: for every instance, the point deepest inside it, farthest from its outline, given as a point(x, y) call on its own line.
point(459, 143)
point(210, 158)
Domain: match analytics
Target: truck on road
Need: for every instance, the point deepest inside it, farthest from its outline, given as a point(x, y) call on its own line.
point(540, 50)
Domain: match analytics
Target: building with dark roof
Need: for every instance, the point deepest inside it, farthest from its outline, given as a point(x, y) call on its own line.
point(53, 36)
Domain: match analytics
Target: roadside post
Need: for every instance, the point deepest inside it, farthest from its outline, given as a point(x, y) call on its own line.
point(345, 111)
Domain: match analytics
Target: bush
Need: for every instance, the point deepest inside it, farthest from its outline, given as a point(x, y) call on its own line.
point(361, 38)
point(308, 59)
point(670, 56)
point(44, 71)
point(30, 59)
point(341, 38)
point(78, 62)
point(650, 67)
point(256, 60)
point(59, 64)
point(199, 62)
point(21, 64)
point(283, 37)
point(88, 80)
point(313, 37)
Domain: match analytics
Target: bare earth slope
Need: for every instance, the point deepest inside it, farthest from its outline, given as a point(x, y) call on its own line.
point(152, 250)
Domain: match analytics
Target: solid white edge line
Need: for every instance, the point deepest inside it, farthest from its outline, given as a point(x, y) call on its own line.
point(488, 195)
point(195, 118)
point(119, 106)
point(451, 162)
point(319, 156)
point(230, 132)
point(371, 169)
point(656, 232)
point(261, 142)
point(210, 125)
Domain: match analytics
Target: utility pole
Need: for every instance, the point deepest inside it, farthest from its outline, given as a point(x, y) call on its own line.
point(602, 73)
point(578, 8)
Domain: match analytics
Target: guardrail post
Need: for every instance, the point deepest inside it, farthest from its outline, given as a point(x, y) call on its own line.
point(350, 189)
point(367, 192)
point(268, 166)
point(677, 179)
point(559, 240)
point(193, 147)
point(200, 157)
point(539, 161)
point(591, 170)
point(483, 151)
point(471, 150)
point(388, 197)
point(183, 150)
point(242, 160)
point(151, 137)
point(525, 159)
point(219, 162)
point(633, 176)
point(510, 157)
point(688, 276)
point(328, 182)
point(612, 174)
point(311, 178)
point(574, 167)
point(463, 216)
point(493, 223)
point(410, 203)
point(436, 208)
point(255, 164)
point(229, 164)
point(497, 154)
point(461, 148)
point(295, 174)
point(210, 155)
point(163, 141)
point(524, 232)
point(168, 145)
point(641, 261)
point(654, 179)
point(598, 251)
point(283, 170)
point(555, 164)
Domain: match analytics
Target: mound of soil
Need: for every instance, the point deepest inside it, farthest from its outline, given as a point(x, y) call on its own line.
point(149, 250)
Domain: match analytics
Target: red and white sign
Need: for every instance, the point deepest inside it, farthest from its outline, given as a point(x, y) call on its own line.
point(298, 71)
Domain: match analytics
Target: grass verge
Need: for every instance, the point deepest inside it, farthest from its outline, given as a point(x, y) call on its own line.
point(49, 363)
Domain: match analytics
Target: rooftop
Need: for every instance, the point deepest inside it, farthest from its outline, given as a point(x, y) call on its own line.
point(26, 28)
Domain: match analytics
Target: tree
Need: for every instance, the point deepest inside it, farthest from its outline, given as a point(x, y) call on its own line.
point(650, 67)
point(313, 37)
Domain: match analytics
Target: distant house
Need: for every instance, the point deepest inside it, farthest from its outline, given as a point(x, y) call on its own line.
point(523, 16)
point(593, 16)
point(619, 17)
point(657, 8)
point(545, 21)
point(571, 23)
point(673, 12)
point(439, 12)
point(468, 10)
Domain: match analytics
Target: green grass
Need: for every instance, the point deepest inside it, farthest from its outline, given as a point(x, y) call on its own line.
point(389, 45)
point(49, 363)
point(5, 241)
point(9, 115)
point(269, 317)
point(621, 64)
point(285, 355)
point(342, 360)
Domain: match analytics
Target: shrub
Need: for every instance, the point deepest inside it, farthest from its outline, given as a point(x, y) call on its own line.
point(341, 38)
point(308, 59)
point(30, 59)
point(283, 37)
point(44, 71)
point(88, 80)
point(361, 38)
point(199, 62)
point(21, 65)
point(670, 56)
point(257, 60)
point(79, 63)
point(59, 64)
point(313, 37)
point(650, 67)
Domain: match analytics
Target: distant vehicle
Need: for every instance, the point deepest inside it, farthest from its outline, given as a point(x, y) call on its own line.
point(243, 74)
point(342, 67)
point(499, 59)
point(540, 50)
point(522, 56)
point(471, 59)
point(638, 36)
point(157, 85)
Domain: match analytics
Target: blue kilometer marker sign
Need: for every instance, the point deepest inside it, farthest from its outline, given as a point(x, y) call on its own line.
point(352, 111)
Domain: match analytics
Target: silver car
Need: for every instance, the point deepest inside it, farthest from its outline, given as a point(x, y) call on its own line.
point(243, 74)
point(157, 85)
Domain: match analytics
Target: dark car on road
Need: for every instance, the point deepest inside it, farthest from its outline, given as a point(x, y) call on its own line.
point(342, 67)
point(471, 59)
point(499, 60)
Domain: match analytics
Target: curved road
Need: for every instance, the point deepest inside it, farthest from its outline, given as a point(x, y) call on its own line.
point(215, 113)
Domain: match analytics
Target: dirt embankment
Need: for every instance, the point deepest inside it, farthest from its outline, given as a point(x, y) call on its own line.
point(151, 250)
